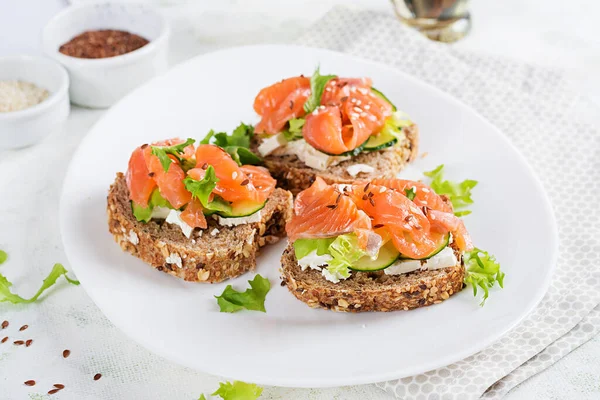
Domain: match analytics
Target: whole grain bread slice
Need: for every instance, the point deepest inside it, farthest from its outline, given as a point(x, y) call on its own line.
point(371, 291)
point(292, 174)
point(210, 255)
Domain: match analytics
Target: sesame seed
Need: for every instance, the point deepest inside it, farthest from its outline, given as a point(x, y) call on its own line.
point(383, 189)
point(364, 114)
point(234, 175)
point(321, 107)
point(354, 115)
point(353, 100)
point(328, 89)
point(367, 106)
point(358, 102)
point(315, 112)
point(425, 190)
point(373, 118)
point(363, 91)
point(357, 109)
point(432, 216)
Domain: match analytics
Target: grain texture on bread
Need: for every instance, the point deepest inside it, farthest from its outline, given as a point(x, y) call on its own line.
point(371, 291)
point(210, 255)
point(293, 175)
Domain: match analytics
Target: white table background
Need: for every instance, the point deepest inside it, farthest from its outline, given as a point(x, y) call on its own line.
point(556, 33)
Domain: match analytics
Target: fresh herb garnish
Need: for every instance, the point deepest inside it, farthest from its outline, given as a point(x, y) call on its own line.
point(458, 192)
point(237, 144)
point(57, 271)
point(176, 150)
point(237, 390)
point(202, 190)
point(294, 131)
point(410, 193)
point(3, 256)
point(482, 270)
point(252, 299)
point(317, 87)
point(144, 214)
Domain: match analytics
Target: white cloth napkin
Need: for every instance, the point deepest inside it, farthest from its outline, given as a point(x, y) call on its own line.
point(548, 122)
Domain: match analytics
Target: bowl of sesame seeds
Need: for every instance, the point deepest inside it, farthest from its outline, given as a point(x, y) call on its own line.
point(34, 99)
point(108, 49)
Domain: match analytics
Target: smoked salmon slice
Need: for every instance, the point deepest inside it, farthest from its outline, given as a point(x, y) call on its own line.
point(139, 182)
point(170, 183)
point(193, 215)
point(323, 211)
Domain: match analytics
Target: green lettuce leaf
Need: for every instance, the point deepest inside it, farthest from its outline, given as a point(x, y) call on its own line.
point(202, 189)
point(410, 193)
point(144, 214)
point(483, 271)
point(238, 391)
point(303, 247)
point(294, 130)
point(317, 86)
point(202, 397)
point(163, 153)
point(394, 124)
point(57, 271)
point(3, 256)
point(458, 192)
point(338, 269)
point(252, 299)
point(345, 249)
point(237, 144)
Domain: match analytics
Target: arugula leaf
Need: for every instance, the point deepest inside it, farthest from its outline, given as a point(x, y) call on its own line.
point(163, 153)
point(57, 271)
point(317, 86)
point(482, 270)
point(3, 256)
point(237, 144)
point(144, 214)
point(252, 299)
point(458, 192)
point(294, 131)
point(303, 247)
point(410, 193)
point(238, 391)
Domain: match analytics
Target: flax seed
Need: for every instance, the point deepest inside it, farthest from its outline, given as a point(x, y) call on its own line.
point(371, 201)
point(53, 391)
point(378, 226)
point(23, 328)
point(66, 353)
point(29, 383)
point(205, 165)
point(332, 206)
point(245, 182)
point(5, 325)
point(291, 104)
point(367, 187)
point(151, 174)
point(4, 340)
point(28, 342)
point(18, 342)
point(365, 197)
point(338, 198)
point(97, 376)
point(59, 386)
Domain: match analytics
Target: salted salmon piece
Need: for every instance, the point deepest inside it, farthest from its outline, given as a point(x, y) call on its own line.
point(193, 215)
point(322, 211)
point(188, 152)
point(280, 102)
point(424, 195)
point(139, 182)
point(261, 179)
point(448, 222)
point(170, 183)
point(408, 227)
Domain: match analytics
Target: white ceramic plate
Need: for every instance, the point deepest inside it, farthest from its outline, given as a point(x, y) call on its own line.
point(293, 345)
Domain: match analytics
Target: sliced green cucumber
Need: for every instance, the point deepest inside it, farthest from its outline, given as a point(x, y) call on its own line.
point(242, 209)
point(387, 256)
point(379, 94)
point(380, 141)
point(443, 243)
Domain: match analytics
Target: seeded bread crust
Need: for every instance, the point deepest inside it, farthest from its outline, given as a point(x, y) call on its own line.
point(293, 175)
point(371, 291)
point(203, 257)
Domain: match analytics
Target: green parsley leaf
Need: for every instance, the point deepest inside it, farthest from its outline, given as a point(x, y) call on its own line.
point(294, 131)
point(482, 270)
point(238, 391)
point(144, 214)
point(3, 256)
point(252, 299)
point(163, 153)
point(410, 193)
point(6, 295)
point(458, 192)
point(317, 86)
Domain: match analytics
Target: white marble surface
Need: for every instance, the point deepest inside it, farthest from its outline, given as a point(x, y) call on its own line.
point(552, 33)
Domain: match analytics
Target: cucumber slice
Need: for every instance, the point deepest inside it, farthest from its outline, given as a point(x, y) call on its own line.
point(241, 209)
point(387, 256)
point(379, 94)
point(380, 141)
point(444, 242)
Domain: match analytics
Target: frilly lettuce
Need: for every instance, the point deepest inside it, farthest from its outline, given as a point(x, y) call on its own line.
point(144, 214)
point(482, 270)
point(317, 86)
point(163, 152)
point(237, 390)
point(458, 192)
point(252, 299)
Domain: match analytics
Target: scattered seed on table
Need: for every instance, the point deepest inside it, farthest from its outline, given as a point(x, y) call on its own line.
point(21, 329)
point(19, 342)
point(28, 342)
point(5, 339)
point(5, 325)
point(54, 391)
point(97, 376)
point(30, 382)
point(59, 386)
point(66, 353)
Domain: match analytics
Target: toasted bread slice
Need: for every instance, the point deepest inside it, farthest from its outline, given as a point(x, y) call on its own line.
point(210, 255)
point(371, 291)
point(293, 175)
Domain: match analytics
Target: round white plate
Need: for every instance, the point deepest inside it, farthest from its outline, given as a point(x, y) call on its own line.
point(292, 344)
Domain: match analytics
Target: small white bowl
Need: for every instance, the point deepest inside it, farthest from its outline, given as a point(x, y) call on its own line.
point(28, 126)
point(99, 83)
